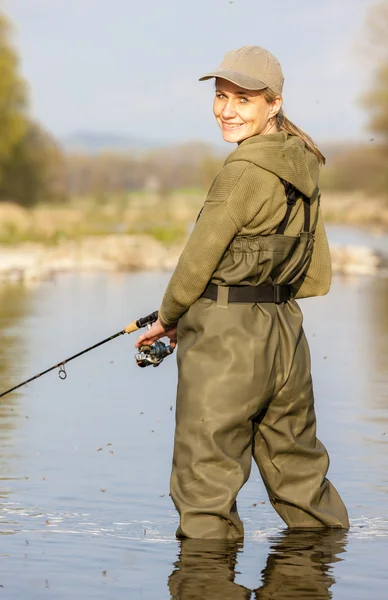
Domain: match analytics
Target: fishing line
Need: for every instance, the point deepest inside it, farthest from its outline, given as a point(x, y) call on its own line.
point(134, 326)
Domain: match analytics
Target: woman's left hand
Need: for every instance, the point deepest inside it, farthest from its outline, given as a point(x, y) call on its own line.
point(156, 332)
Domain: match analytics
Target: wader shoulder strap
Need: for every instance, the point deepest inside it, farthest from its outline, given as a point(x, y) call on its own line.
point(317, 195)
point(292, 196)
point(306, 207)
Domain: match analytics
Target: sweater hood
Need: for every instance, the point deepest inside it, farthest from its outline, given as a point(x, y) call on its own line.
point(284, 155)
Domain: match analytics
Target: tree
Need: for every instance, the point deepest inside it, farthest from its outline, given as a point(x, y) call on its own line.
point(35, 170)
point(376, 100)
point(13, 98)
point(31, 162)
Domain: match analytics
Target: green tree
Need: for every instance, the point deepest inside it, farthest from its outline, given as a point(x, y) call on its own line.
point(13, 97)
point(31, 162)
point(35, 170)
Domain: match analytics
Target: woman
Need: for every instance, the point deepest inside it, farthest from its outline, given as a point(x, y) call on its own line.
point(244, 385)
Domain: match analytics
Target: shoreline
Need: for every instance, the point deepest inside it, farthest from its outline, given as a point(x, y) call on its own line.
point(29, 262)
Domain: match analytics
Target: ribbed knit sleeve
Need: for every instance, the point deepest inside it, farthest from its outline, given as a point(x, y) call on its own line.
point(231, 203)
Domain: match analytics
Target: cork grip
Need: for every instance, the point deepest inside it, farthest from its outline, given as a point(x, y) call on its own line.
point(131, 327)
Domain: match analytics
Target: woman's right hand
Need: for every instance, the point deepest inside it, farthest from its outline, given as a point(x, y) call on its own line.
point(156, 332)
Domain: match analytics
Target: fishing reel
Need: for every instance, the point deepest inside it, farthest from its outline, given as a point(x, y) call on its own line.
point(153, 355)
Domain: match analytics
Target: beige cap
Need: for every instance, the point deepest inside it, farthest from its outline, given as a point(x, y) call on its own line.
point(252, 68)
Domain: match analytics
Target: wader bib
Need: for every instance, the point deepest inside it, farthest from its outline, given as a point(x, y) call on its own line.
point(245, 389)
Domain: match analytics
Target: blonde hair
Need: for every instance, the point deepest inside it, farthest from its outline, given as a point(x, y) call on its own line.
point(284, 124)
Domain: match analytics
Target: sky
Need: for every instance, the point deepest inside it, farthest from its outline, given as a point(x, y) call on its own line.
point(131, 67)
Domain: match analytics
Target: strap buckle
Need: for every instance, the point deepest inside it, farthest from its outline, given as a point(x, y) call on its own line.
point(222, 296)
point(278, 297)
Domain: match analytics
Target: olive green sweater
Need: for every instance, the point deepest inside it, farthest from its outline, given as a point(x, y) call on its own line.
point(248, 198)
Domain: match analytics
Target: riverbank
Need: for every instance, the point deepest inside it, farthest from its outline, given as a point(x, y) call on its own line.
point(145, 232)
point(167, 218)
point(36, 262)
point(356, 209)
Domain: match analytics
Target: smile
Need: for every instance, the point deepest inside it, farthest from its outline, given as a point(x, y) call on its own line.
point(232, 125)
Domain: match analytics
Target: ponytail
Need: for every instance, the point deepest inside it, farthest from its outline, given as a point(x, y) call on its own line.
point(284, 124)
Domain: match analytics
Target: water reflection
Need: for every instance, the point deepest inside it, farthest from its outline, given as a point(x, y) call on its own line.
point(375, 399)
point(13, 300)
point(376, 305)
point(205, 570)
point(299, 565)
point(12, 308)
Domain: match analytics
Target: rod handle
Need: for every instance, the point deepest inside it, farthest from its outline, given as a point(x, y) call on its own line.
point(131, 327)
point(135, 325)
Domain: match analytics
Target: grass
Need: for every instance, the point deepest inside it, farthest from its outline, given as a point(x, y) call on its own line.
point(166, 219)
point(166, 234)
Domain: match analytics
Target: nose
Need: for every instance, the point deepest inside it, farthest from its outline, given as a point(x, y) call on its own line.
point(228, 111)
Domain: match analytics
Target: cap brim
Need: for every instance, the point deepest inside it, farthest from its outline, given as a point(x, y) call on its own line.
point(245, 81)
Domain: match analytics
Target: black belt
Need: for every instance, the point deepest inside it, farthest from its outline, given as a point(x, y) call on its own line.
point(251, 294)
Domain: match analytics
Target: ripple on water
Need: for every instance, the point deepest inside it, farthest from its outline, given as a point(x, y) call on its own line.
point(66, 522)
point(75, 523)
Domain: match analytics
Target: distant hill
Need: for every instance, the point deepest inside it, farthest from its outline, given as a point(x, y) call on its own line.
point(93, 142)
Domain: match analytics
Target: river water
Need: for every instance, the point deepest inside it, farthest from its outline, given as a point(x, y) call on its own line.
point(84, 463)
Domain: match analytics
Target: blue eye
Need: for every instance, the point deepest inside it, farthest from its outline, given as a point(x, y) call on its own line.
point(244, 100)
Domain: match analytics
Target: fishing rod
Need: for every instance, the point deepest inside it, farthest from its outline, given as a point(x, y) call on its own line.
point(147, 355)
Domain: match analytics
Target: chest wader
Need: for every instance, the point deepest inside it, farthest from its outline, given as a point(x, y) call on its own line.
point(245, 389)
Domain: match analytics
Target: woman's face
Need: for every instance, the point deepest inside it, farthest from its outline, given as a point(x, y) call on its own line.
point(242, 113)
